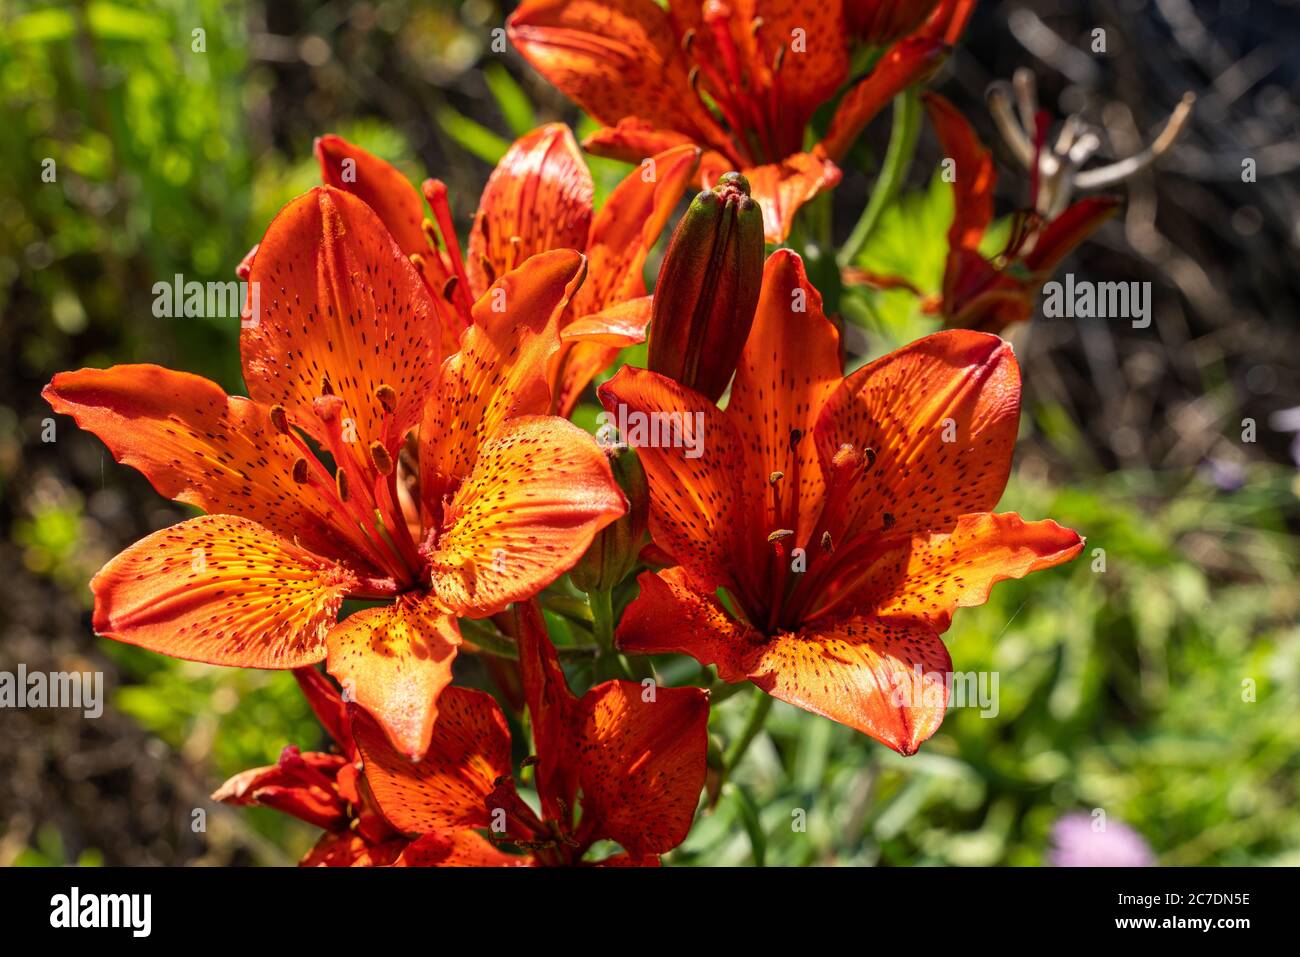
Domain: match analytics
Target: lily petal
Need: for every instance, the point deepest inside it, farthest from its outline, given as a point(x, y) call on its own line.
point(348, 849)
point(643, 765)
point(782, 188)
point(629, 224)
point(448, 788)
point(1067, 230)
point(395, 661)
point(974, 176)
point(537, 199)
point(790, 364)
point(940, 418)
point(340, 304)
point(930, 576)
point(540, 490)
point(499, 372)
point(380, 185)
point(614, 58)
point(222, 590)
point(907, 62)
point(701, 509)
point(885, 677)
point(197, 445)
point(459, 848)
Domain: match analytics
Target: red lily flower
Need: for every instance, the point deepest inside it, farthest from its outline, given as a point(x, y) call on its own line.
point(654, 78)
point(539, 198)
point(877, 22)
point(984, 295)
point(322, 789)
point(346, 354)
point(624, 763)
point(844, 518)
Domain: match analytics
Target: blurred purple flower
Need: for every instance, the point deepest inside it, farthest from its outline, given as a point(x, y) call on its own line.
point(1076, 843)
point(1288, 420)
point(1223, 474)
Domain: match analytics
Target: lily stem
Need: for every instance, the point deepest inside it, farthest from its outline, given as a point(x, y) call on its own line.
point(601, 601)
point(898, 158)
point(758, 712)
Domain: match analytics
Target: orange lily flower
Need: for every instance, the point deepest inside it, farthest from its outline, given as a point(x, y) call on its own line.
point(625, 763)
point(984, 295)
point(322, 789)
point(346, 354)
point(843, 518)
point(539, 198)
point(739, 79)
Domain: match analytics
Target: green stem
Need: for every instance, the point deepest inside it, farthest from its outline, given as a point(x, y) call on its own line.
point(602, 627)
point(898, 158)
point(754, 723)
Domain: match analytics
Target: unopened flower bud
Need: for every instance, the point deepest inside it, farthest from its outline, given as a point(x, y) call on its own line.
point(708, 288)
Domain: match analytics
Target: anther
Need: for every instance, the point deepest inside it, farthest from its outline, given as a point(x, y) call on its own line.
point(795, 436)
point(325, 387)
point(430, 232)
point(779, 534)
point(383, 462)
point(417, 261)
point(300, 471)
point(341, 482)
point(449, 288)
point(775, 477)
point(827, 545)
point(488, 270)
point(386, 396)
point(688, 40)
point(279, 419)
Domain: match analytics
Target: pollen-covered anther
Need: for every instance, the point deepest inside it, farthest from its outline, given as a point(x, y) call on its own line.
point(386, 396)
point(417, 261)
point(379, 456)
point(300, 471)
point(779, 534)
point(827, 545)
point(279, 419)
point(847, 459)
point(775, 477)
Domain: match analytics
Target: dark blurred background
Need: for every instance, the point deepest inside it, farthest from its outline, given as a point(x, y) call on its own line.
point(1169, 447)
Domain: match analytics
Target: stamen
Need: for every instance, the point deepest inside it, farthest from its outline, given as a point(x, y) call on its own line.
point(430, 232)
point(688, 40)
point(279, 419)
point(795, 436)
point(325, 387)
point(300, 474)
point(341, 481)
point(379, 456)
point(779, 534)
point(386, 396)
point(488, 270)
point(775, 477)
point(417, 261)
point(827, 544)
point(449, 288)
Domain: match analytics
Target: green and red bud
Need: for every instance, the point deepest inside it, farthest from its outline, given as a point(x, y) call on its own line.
point(613, 553)
point(708, 288)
